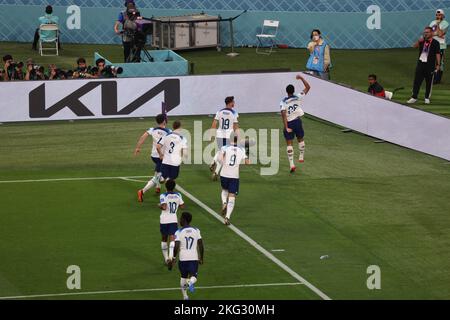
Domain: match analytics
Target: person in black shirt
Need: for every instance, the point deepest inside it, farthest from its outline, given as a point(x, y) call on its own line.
point(427, 64)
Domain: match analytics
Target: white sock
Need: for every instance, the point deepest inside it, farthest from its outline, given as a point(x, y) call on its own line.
point(301, 147)
point(158, 178)
point(183, 286)
point(290, 154)
point(224, 197)
point(192, 280)
point(149, 185)
point(171, 247)
point(230, 206)
point(164, 250)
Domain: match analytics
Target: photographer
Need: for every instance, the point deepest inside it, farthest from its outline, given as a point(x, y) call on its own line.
point(34, 72)
point(11, 69)
point(55, 73)
point(83, 71)
point(128, 20)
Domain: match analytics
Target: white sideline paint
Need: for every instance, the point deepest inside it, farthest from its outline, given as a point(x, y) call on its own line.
point(210, 211)
point(49, 295)
point(255, 245)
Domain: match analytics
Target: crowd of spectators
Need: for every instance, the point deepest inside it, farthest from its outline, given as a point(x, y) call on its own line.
point(13, 70)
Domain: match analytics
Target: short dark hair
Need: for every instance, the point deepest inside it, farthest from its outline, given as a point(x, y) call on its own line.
point(315, 30)
point(429, 28)
point(373, 76)
point(7, 57)
point(99, 60)
point(49, 9)
point(290, 89)
point(160, 118)
point(81, 60)
point(170, 185)
point(229, 99)
point(186, 216)
point(176, 124)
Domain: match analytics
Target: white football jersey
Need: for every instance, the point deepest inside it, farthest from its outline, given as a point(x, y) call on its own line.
point(173, 144)
point(188, 238)
point(157, 135)
point(292, 106)
point(233, 156)
point(226, 118)
point(173, 200)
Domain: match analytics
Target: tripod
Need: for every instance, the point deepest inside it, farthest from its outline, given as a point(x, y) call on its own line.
point(138, 47)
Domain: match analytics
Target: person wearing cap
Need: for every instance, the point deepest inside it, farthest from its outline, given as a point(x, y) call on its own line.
point(48, 18)
point(440, 28)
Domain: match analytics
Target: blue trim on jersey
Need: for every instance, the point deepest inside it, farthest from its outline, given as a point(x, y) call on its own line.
point(229, 109)
point(162, 129)
point(187, 227)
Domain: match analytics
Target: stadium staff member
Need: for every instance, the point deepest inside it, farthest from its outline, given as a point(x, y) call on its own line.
point(127, 28)
point(440, 28)
point(427, 64)
point(48, 18)
point(375, 88)
point(319, 61)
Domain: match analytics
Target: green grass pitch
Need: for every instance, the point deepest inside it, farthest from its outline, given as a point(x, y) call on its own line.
point(359, 202)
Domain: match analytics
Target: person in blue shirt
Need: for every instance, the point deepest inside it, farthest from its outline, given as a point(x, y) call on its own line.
point(48, 18)
point(127, 27)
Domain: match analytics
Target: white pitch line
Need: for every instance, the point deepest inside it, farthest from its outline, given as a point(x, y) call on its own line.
point(256, 245)
point(277, 250)
point(70, 179)
point(210, 211)
point(49, 295)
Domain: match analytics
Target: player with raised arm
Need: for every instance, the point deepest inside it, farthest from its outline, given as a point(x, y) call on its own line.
point(231, 157)
point(225, 123)
point(189, 245)
point(157, 133)
point(172, 150)
point(291, 113)
point(169, 202)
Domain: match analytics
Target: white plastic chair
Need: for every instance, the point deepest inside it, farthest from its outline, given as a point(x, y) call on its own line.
point(269, 31)
point(48, 34)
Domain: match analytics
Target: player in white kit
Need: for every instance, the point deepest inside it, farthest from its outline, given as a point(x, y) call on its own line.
point(172, 150)
point(189, 246)
point(169, 202)
point(291, 113)
point(231, 157)
point(226, 122)
point(157, 134)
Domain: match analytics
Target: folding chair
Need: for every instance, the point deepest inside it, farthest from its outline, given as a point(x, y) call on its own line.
point(270, 33)
point(48, 34)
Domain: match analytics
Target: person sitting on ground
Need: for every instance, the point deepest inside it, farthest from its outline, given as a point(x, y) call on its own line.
point(375, 88)
point(48, 18)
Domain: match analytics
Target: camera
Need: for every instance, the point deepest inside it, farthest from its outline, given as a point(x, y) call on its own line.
point(133, 14)
point(111, 71)
point(16, 65)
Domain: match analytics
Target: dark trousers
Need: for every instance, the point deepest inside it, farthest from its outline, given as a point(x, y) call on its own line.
point(438, 75)
point(126, 51)
point(423, 71)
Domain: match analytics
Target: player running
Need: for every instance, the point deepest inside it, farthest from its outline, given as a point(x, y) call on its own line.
point(157, 134)
point(227, 121)
point(189, 244)
point(169, 202)
point(231, 157)
point(291, 114)
point(171, 150)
